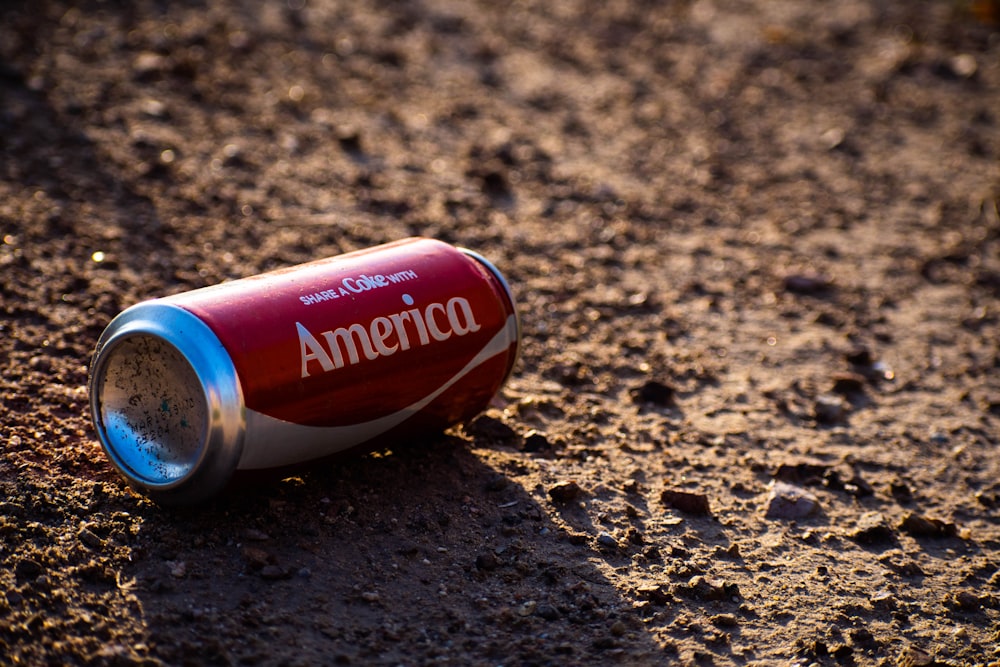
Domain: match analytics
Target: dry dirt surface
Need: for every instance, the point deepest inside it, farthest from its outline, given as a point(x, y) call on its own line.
point(756, 249)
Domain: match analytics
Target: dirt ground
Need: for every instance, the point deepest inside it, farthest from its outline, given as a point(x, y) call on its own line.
point(756, 250)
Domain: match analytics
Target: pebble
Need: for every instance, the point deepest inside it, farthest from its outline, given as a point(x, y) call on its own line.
point(724, 621)
point(786, 501)
point(487, 561)
point(490, 429)
point(848, 384)
point(659, 594)
point(536, 442)
point(256, 535)
point(872, 529)
point(686, 501)
point(608, 541)
point(829, 409)
point(806, 284)
point(148, 63)
point(565, 492)
point(256, 558)
point(921, 526)
point(654, 392)
point(28, 568)
point(89, 538)
point(967, 601)
point(701, 588)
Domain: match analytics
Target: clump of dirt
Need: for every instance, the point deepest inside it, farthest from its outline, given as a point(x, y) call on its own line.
point(756, 248)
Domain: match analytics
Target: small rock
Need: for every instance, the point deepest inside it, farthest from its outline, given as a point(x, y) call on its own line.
point(28, 568)
point(687, 502)
point(963, 65)
point(565, 492)
point(655, 393)
point(536, 442)
point(860, 356)
point(967, 601)
point(618, 629)
point(807, 284)
point(790, 502)
point(487, 561)
point(700, 588)
point(829, 409)
point(148, 63)
point(490, 429)
point(256, 535)
point(883, 599)
point(848, 384)
point(921, 526)
point(656, 594)
point(89, 538)
point(547, 611)
point(370, 596)
point(256, 558)
point(802, 473)
point(608, 541)
point(872, 529)
point(901, 492)
point(178, 569)
point(724, 621)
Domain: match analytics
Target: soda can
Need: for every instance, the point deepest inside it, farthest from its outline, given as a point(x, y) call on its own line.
point(369, 347)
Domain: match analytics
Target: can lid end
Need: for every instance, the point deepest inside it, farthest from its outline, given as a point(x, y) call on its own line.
point(166, 404)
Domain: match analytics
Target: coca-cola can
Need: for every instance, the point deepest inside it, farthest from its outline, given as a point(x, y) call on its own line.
point(370, 347)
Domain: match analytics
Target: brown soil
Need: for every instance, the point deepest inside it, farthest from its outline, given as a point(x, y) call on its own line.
point(756, 247)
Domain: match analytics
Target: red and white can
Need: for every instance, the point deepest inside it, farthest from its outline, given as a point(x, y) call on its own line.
point(300, 363)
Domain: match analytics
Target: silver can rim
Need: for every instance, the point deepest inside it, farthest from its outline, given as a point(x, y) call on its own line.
point(220, 443)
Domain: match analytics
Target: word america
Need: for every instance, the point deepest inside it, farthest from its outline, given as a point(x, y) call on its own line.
point(384, 336)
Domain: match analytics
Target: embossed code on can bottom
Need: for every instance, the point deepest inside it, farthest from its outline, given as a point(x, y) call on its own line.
point(301, 363)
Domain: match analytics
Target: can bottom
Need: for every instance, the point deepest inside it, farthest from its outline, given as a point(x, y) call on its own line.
point(152, 409)
point(167, 403)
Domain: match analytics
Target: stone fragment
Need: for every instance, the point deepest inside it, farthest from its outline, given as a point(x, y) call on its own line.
point(829, 409)
point(565, 492)
point(810, 284)
point(487, 561)
point(659, 594)
point(686, 501)
point(654, 392)
point(848, 384)
point(786, 501)
point(607, 541)
point(873, 530)
point(967, 601)
point(256, 535)
point(535, 442)
point(28, 568)
point(490, 429)
point(702, 588)
point(89, 538)
point(921, 526)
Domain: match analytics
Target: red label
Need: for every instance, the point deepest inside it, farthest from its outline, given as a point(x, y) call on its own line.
point(356, 337)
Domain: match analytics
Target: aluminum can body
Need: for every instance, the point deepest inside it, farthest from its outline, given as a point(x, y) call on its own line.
point(298, 364)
